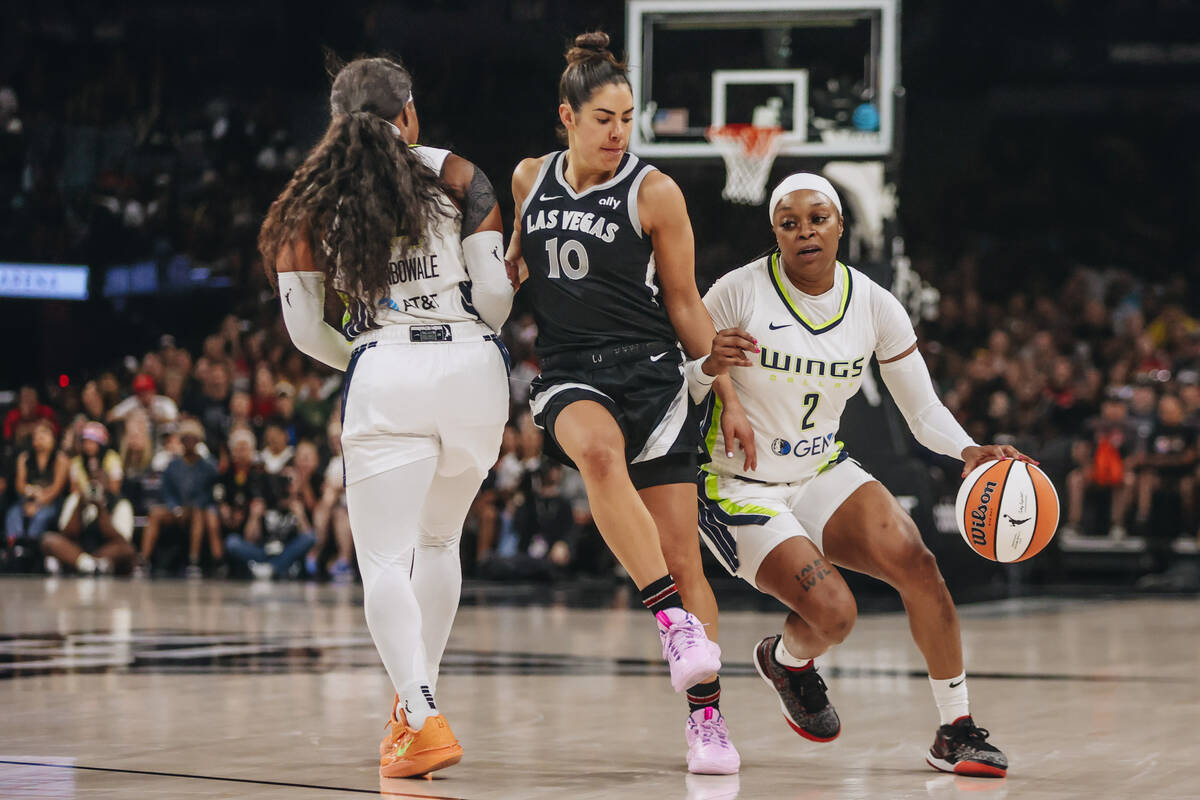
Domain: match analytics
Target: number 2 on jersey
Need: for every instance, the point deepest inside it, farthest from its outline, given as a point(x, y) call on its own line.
point(561, 259)
point(811, 401)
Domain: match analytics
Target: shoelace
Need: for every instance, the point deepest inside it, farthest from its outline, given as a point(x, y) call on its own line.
point(970, 733)
point(712, 732)
point(680, 637)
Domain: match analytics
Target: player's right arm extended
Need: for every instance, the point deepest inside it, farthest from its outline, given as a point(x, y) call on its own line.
point(302, 297)
point(907, 379)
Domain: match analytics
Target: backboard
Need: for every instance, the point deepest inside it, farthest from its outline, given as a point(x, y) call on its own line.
point(827, 71)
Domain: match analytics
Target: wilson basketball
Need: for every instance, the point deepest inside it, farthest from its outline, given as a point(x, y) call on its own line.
point(1007, 510)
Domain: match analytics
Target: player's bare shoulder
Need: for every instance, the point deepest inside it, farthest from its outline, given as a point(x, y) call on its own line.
point(660, 201)
point(526, 173)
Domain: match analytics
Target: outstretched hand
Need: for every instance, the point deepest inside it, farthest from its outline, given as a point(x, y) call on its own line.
point(729, 349)
point(978, 454)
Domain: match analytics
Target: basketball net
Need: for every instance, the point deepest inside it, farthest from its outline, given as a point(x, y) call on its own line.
point(749, 152)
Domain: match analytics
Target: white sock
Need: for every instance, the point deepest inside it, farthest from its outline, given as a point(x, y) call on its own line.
point(787, 659)
point(436, 568)
point(416, 701)
point(950, 694)
point(383, 519)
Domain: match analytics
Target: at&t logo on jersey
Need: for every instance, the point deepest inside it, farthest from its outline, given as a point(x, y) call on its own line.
point(816, 446)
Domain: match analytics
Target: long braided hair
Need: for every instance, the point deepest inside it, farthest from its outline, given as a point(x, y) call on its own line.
point(359, 188)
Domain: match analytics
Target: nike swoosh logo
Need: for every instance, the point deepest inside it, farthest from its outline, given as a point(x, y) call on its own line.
point(775, 327)
point(550, 197)
point(657, 357)
point(957, 684)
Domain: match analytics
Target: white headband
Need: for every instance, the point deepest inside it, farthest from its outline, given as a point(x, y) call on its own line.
point(802, 180)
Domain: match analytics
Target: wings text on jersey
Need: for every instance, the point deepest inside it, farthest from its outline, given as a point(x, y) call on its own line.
point(787, 362)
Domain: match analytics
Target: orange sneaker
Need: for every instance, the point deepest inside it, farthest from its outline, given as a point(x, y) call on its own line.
point(407, 753)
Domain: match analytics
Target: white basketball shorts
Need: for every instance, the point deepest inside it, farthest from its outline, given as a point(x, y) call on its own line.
point(741, 521)
point(406, 400)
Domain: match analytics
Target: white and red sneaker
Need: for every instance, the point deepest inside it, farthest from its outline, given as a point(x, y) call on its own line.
point(687, 649)
point(709, 750)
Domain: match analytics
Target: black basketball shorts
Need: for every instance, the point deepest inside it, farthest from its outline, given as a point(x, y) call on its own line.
point(643, 387)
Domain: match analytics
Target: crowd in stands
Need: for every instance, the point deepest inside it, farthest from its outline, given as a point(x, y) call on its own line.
point(226, 460)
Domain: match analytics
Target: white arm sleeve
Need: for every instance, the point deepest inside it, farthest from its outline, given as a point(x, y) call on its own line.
point(931, 422)
point(302, 296)
point(491, 293)
point(699, 383)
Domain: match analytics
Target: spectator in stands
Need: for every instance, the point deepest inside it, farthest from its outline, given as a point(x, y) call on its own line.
point(331, 513)
point(211, 406)
point(1169, 466)
point(285, 413)
point(41, 480)
point(137, 452)
point(263, 406)
point(19, 423)
point(159, 409)
point(241, 497)
point(277, 453)
point(1105, 463)
point(187, 502)
point(96, 521)
point(92, 401)
point(287, 535)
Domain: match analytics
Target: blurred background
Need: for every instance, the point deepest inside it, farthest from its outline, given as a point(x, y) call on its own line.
point(1044, 166)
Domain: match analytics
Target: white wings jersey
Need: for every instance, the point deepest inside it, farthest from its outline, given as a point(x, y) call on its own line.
point(429, 284)
point(813, 353)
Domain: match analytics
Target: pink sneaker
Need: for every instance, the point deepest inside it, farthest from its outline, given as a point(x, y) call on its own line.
point(689, 653)
point(709, 750)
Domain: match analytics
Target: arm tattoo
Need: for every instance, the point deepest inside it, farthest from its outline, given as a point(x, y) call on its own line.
point(479, 201)
point(813, 573)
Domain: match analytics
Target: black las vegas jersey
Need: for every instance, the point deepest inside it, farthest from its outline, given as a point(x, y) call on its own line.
point(591, 266)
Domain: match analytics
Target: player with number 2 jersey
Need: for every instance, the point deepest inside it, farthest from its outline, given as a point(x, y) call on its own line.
point(808, 508)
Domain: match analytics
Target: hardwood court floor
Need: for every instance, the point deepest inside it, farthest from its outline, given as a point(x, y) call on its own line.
point(115, 689)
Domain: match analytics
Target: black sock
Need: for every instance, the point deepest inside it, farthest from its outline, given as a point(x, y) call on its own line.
point(704, 695)
point(661, 594)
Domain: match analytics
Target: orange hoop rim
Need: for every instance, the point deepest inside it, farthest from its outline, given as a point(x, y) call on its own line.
point(752, 137)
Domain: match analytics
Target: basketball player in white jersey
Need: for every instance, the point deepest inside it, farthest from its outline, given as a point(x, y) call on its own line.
point(808, 506)
point(609, 256)
point(410, 238)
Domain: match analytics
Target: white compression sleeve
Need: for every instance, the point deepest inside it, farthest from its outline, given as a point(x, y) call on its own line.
point(930, 421)
point(699, 383)
point(491, 293)
point(302, 296)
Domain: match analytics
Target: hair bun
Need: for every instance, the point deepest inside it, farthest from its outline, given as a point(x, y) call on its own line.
point(588, 46)
point(592, 40)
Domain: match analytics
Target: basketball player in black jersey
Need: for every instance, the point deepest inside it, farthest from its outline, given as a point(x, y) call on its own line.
point(608, 254)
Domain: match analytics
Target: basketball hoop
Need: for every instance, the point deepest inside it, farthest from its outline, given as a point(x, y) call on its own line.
point(749, 152)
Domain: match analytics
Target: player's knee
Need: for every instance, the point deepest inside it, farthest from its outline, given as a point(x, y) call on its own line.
point(439, 539)
point(600, 459)
point(834, 618)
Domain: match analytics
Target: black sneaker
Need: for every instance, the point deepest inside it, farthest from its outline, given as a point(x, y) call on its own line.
point(962, 748)
point(802, 697)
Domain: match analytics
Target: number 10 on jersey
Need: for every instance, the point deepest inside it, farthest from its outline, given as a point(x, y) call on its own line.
point(571, 259)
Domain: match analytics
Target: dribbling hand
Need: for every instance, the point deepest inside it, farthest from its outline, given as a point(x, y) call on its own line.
point(976, 455)
point(729, 349)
